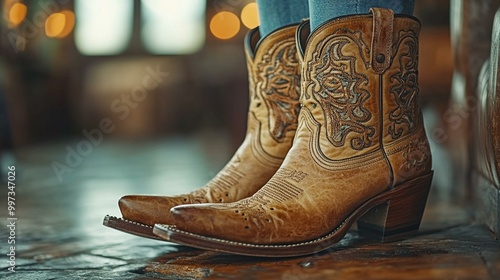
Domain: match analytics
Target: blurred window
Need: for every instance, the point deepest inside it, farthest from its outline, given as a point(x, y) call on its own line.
point(104, 27)
point(173, 26)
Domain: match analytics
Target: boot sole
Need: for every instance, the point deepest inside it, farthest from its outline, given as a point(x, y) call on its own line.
point(130, 227)
point(392, 215)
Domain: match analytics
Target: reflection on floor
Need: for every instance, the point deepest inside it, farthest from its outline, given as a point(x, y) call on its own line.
point(59, 232)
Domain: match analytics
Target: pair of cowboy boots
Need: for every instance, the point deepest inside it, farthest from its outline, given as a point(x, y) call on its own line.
point(359, 150)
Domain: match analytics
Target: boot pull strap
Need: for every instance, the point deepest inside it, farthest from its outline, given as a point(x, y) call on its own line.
point(383, 20)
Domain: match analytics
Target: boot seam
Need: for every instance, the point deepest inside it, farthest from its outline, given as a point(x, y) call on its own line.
point(381, 130)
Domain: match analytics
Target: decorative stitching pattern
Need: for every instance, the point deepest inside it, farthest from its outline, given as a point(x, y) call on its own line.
point(220, 185)
point(197, 196)
point(280, 190)
point(336, 85)
point(261, 155)
point(255, 207)
point(308, 121)
point(278, 82)
point(294, 175)
point(405, 90)
point(417, 155)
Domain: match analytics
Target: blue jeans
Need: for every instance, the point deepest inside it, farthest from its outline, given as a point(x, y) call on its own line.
point(324, 10)
point(274, 14)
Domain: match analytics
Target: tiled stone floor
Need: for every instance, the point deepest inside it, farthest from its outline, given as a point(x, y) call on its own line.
point(59, 233)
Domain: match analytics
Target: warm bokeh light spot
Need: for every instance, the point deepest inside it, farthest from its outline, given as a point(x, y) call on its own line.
point(250, 16)
point(17, 14)
point(69, 24)
point(225, 25)
point(59, 25)
point(54, 25)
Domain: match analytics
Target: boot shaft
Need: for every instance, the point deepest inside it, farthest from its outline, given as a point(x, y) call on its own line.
point(360, 89)
point(274, 80)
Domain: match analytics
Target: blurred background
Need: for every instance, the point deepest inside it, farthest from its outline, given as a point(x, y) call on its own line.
point(63, 63)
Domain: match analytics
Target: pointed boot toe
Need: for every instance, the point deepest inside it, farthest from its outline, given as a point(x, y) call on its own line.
point(146, 209)
point(141, 212)
point(184, 216)
point(193, 217)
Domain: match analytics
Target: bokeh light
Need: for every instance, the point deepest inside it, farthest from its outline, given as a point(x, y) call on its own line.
point(59, 25)
point(70, 23)
point(54, 25)
point(17, 14)
point(250, 16)
point(225, 25)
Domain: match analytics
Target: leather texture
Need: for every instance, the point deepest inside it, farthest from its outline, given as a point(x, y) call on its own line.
point(360, 133)
point(274, 80)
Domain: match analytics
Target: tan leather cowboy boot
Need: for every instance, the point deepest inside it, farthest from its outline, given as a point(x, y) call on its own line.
point(360, 151)
point(274, 78)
